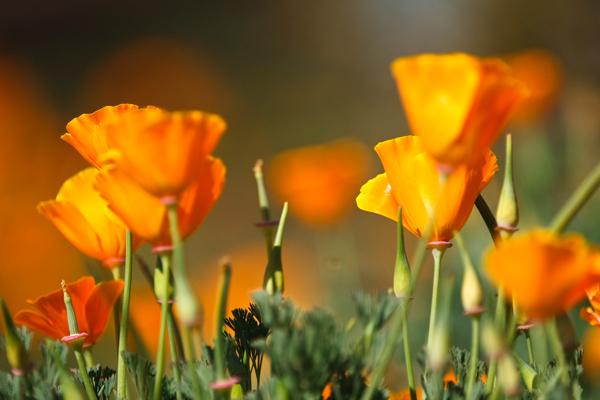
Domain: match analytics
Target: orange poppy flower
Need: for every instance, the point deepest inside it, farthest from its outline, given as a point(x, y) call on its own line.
point(92, 304)
point(146, 216)
point(87, 134)
point(85, 220)
point(319, 182)
point(162, 151)
point(449, 377)
point(592, 314)
point(542, 72)
point(456, 103)
point(544, 273)
point(413, 181)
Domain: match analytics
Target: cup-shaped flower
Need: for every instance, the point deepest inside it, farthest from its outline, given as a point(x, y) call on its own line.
point(456, 103)
point(162, 151)
point(87, 133)
point(92, 305)
point(83, 217)
point(413, 181)
point(146, 215)
point(592, 314)
point(320, 181)
point(545, 273)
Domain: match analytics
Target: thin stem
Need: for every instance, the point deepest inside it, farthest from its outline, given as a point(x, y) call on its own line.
point(164, 312)
point(400, 314)
point(529, 342)
point(89, 358)
point(220, 320)
point(116, 274)
point(557, 347)
point(408, 358)
point(474, 357)
point(437, 263)
point(87, 383)
point(263, 203)
point(121, 369)
point(577, 200)
point(174, 358)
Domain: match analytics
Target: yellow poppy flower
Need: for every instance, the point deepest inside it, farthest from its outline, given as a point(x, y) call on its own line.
point(83, 217)
point(456, 103)
point(544, 273)
point(413, 181)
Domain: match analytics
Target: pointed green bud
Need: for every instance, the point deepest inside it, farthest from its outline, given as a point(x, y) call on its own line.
point(529, 375)
point(237, 393)
point(188, 309)
point(508, 375)
point(71, 317)
point(402, 267)
point(15, 349)
point(159, 282)
point(507, 213)
point(471, 292)
point(273, 281)
point(263, 204)
point(438, 352)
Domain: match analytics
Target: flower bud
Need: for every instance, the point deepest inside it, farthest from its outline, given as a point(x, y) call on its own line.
point(471, 292)
point(492, 342)
point(273, 281)
point(529, 375)
point(188, 309)
point(159, 286)
point(507, 213)
point(438, 355)
point(508, 375)
point(402, 267)
point(15, 349)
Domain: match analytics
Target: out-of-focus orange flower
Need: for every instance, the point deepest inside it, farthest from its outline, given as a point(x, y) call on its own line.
point(448, 377)
point(85, 220)
point(542, 73)
point(413, 181)
point(163, 151)
point(592, 314)
point(146, 216)
point(87, 134)
point(544, 273)
point(456, 103)
point(92, 304)
point(591, 353)
point(319, 182)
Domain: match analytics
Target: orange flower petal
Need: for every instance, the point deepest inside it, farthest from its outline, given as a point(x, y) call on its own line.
point(39, 323)
point(99, 305)
point(376, 197)
point(86, 132)
point(163, 151)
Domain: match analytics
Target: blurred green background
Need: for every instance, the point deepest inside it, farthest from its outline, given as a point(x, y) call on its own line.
point(283, 74)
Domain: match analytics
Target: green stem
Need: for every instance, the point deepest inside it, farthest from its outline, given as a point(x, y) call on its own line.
point(164, 312)
point(89, 358)
point(174, 358)
point(577, 200)
point(116, 274)
point(263, 203)
point(189, 349)
point(121, 368)
point(554, 338)
point(530, 356)
point(474, 357)
point(400, 314)
point(437, 263)
point(408, 358)
point(87, 383)
point(220, 320)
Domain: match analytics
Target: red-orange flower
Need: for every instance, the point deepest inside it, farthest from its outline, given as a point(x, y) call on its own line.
point(87, 133)
point(592, 314)
point(92, 304)
point(320, 181)
point(543, 272)
point(413, 181)
point(162, 151)
point(85, 220)
point(146, 216)
point(456, 103)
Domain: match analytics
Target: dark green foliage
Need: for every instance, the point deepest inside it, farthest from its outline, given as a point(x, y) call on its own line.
point(104, 381)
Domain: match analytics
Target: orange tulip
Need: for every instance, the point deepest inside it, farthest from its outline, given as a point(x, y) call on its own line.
point(87, 133)
point(92, 304)
point(413, 181)
point(146, 216)
point(544, 273)
point(456, 103)
point(162, 151)
point(319, 181)
point(592, 314)
point(542, 72)
point(85, 220)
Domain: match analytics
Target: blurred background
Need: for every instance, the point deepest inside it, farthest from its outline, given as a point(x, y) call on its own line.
point(284, 75)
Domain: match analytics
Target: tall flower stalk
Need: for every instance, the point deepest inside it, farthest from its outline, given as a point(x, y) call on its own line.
point(124, 324)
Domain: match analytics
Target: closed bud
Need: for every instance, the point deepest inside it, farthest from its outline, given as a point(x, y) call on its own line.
point(159, 286)
point(471, 292)
point(402, 267)
point(188, 309)
point(508, 375)
point(15, 349)
point(507, 213)
point(492, 342)
point(438, 354)
point(529, 375)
